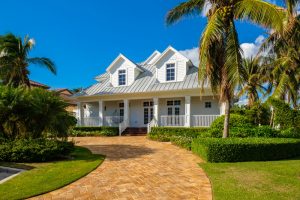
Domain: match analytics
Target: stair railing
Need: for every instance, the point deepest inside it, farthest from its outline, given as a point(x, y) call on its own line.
point(152, 123)
point(122, 126)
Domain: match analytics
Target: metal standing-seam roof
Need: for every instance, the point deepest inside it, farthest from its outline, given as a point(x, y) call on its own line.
point(145, 82)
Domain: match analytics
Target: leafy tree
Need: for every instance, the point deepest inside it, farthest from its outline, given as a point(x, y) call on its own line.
point(219, 52)
point(15, 60)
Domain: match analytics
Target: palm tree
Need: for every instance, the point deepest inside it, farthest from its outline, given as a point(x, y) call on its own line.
point(253, 79)
point(219, 52)
point(283, 48)
point(15, 60)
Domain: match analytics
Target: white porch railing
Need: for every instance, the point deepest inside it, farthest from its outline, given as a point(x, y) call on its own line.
point(123, 125)
point(152, 123)
point(113, 120)
point(203, 120)
point(89, 121)
point(173, 120)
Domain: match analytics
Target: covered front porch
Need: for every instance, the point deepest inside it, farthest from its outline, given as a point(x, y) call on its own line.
point(187, 111)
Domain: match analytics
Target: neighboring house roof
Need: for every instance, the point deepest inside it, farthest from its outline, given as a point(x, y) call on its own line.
point(37, 84)
point(66, 95)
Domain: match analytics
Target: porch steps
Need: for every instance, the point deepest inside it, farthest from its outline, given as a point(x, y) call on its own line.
point(135, 131)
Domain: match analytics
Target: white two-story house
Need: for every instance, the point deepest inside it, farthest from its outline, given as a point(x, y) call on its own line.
point(163, 90)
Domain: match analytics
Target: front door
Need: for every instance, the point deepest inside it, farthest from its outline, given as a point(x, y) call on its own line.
point(148, 111)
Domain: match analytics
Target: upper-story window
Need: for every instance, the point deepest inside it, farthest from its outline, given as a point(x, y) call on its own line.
point(170, 72)
point(122, 77)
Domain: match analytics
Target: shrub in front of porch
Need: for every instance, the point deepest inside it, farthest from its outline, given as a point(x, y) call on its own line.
point(164, 134)
point(94, 131)
point(245, 149)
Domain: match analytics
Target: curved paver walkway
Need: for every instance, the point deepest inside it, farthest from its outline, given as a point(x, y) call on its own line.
point(137, 168)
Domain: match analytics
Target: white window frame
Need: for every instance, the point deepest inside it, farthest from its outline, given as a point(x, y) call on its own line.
point(166, 77)
point(125, 73)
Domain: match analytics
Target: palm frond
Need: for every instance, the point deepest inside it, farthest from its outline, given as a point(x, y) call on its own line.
point(191, 7)
point(43, 62)
point(260, 12)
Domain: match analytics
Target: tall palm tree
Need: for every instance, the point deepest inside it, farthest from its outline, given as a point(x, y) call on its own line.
point(284, 48)
point(253, 80)
point(219, 52)
point(15, 60)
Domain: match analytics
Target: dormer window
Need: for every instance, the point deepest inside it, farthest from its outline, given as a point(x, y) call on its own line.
point(122, 77)
point(170, 72)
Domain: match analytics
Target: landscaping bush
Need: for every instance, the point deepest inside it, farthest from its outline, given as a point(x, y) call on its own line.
point(181, 141)
point(94, 131)
point(236, 121)
point(290, 133)
point(164, 134)
point(245, 149)
point(34, 150)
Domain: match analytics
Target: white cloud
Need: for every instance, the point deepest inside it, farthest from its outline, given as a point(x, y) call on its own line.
point(251, 49)
point(192, 54)
point(206, 8)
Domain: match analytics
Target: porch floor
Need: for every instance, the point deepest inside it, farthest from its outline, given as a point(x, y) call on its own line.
point(137, 168)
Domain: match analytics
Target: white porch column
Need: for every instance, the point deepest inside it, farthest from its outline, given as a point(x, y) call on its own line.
point(155, 109)
point(126, 111)
point(100, 113)
point(187, 111)
point(80, 113)
point(222, 108)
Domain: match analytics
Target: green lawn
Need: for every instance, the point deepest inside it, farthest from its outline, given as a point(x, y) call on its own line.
point(45, 177)
point(255, 180)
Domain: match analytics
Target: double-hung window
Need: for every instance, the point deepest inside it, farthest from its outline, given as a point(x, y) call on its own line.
point(122, 77)
point(170, 72)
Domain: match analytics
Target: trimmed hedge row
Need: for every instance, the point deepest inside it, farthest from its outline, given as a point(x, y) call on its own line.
point(245, 149)
point(164, 134)
point(94, 131)
point(34, 150)
point(181, 141)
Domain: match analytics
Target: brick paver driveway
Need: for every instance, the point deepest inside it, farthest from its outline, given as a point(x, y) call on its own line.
point(137, 168)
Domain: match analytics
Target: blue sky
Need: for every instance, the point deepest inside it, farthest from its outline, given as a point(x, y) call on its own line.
point(84, 36)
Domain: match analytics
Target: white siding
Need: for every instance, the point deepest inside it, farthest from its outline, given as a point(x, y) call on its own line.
point(198, 106)
point(131, 72)
point(91, 109)
point(136, 113)
point(180, 66)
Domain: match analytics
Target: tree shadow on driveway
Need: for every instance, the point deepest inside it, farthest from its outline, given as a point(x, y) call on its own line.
point(117, 152)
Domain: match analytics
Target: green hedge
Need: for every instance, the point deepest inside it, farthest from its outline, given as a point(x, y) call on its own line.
point(34, 150)
point(94, 131)
point(245, 149)
point(181, 141)
point(164, 134)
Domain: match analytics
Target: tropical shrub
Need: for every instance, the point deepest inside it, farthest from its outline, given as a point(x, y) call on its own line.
point(164, 134)
point(33, 113)
point(245, 149)
point(284, 116)
point(34, 150)
point(94, 131)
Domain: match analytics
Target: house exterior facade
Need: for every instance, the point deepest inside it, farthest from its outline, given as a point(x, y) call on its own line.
point(163, 90)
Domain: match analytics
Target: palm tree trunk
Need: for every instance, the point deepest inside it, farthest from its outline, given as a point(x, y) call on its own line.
point(226, 120)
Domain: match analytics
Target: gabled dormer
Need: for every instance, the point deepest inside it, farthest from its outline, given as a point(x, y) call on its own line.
point(171, 66)
point(122, 71)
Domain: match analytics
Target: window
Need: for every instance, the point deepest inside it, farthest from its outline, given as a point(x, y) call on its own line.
point(207, 104)
point(122, 77)
point(121, 105)
point(148, 111)
point(170, 72)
